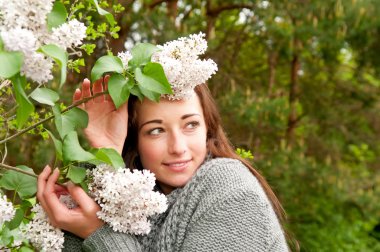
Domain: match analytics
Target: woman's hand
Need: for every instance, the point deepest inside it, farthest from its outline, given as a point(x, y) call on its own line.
point(81, 221)
point(107, 126)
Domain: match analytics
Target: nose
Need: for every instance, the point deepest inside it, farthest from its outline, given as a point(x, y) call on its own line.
point(177, 143)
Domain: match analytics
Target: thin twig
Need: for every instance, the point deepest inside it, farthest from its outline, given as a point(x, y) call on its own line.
point(52, 116)
point(12, 168)
point(5, 152)
point(15, 106)
point(4, 83)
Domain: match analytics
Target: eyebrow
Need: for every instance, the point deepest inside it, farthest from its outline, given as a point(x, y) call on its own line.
point(160, 121)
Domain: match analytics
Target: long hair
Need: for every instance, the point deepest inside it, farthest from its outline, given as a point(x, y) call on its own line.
point(218, 144)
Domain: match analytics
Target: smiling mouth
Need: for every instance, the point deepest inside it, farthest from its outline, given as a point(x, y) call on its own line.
point(177, 166)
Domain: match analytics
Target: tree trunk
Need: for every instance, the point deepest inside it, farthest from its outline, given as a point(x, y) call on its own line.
point(293, 95)
point(272, 62)
point(172, 7)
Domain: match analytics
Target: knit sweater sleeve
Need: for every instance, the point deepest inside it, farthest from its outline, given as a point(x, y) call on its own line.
point(105, 239)
point(238, 219)
point(228, 227)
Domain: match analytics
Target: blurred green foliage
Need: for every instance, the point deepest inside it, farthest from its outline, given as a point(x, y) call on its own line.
point(298, 86)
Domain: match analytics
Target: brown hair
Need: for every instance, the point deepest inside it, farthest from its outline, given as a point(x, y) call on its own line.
point(218, 144)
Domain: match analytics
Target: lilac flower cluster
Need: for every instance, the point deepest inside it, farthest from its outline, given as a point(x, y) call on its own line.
point(181, 63)
point(23, 28)
point(126, 198)
point(7, 212)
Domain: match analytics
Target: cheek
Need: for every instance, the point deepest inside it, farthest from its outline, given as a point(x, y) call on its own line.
point(199, 144)
point(150, 154)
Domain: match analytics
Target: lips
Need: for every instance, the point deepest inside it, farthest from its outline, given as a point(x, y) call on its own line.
point(177, 166)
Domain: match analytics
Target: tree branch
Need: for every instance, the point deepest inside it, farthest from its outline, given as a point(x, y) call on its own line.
point(51, 117)
point(12, 168)
point(214, 12)
point(155, 3)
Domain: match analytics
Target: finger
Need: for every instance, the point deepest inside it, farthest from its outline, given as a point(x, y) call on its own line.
point(56, 209)
point(84, 201)
point(41, 181)
point(60, 190)
point(41, 184)
point(107, 96)
point(86, 91)
point(77, 97)
point(97, 87)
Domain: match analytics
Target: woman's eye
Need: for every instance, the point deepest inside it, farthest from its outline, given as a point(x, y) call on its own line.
point(192, 125)
point(155, 131)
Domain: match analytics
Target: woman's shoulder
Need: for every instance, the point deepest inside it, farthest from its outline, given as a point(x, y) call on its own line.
point(229, 189)
point(223, 177)
point(227, 172)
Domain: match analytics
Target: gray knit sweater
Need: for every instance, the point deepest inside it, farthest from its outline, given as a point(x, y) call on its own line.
point(222, 208)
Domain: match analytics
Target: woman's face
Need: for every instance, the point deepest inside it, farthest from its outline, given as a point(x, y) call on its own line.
point(171, 140)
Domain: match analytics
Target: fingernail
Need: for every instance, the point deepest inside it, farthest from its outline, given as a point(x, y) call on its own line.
point(47, 167)
point(56, 170)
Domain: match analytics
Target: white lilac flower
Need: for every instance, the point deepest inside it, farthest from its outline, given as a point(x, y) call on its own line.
point(68, 201)
point(68, 34)
point(19, 39)
point(23, 28)
point(126, 198)
point(41, 234)
point(182, 66)
point(185, 48)
point(191, 71)
point(7, 212)
point(30, 14)
point(37, 67)
point(125, 57)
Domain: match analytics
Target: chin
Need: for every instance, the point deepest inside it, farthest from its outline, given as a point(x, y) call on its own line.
point(179, 182)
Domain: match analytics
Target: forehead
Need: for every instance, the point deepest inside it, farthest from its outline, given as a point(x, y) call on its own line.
point(168, 109)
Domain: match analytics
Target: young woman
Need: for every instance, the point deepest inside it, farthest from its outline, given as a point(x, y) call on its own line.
point(217, 201)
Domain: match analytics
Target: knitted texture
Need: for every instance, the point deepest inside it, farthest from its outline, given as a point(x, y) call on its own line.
point(222, 208)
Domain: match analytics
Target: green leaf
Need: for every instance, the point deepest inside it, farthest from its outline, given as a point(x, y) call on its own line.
point(84, 186)
point(45, 96)
point(118, 89)
point(24, 185)
point(17, 219)
point(142, 53)
point(28, 203)
point(137, 92)
point(57, 145)
point(25, 249)
point(57, 16)
point(153, 78)
point(71, 120)
point(5, 237)
point(152, 82)
point(105, 13)
point(10, 63)
point(110, 156)
point(150, 94)
point(73, 151)
point(58, 119)
point(76, 174)
point(59, 55)
point(25, 107)
point(106, 64)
